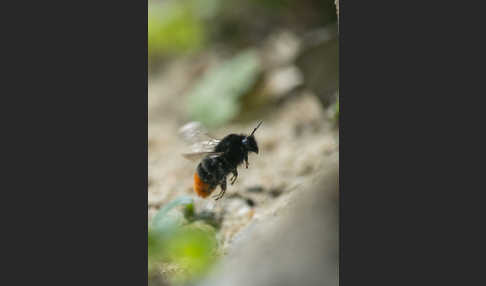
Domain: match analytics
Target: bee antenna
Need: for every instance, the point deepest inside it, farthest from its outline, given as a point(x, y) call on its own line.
point(259, 123)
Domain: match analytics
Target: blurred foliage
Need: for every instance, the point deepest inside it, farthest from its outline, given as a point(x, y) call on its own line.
point(190, 248)
point(164, 223)
point(215, 98)
point(189, 212)
point(193, 249)
point(178, 27)
point(174, 28)
point(272, 4)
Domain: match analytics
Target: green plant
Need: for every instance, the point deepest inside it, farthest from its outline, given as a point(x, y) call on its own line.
point(215, 98)
point(174, 28)
point(190, 247)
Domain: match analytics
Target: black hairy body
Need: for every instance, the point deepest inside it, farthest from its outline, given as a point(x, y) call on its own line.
point(213, 170)
point(233, 150)
point(222, 157)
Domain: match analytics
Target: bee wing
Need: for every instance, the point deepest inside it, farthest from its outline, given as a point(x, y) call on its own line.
point(201, 149)
point(201, 143)
point(197, 156)
point(195, 132)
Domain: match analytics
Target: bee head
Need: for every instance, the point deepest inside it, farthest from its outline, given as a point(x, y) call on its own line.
point(249, 141)
point(250, 144)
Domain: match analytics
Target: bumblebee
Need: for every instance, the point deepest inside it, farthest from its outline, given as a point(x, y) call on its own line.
point(219, 157)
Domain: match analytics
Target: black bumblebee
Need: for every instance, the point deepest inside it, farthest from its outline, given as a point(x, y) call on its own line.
point(219, 157)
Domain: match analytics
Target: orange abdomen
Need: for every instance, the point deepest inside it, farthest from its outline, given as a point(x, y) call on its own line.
point(201, 188)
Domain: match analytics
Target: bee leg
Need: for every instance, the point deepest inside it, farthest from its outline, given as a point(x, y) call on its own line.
point(235, 175)
point(246, 160)
point(223, 190)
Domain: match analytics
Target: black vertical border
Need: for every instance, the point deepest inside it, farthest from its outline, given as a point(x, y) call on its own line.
point(402, 75)
point(75, 187)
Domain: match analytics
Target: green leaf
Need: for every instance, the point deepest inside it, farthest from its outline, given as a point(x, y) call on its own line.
point(155, 247)
point(190, 247)
point(189, 211)
point(162, 222)
point(174, 28)
point(194, 248)
point(215, 98)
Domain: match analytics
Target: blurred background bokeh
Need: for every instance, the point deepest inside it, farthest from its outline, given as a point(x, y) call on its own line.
point(227, 64)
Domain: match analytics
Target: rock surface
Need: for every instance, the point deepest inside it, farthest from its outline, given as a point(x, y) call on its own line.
point(297, 247)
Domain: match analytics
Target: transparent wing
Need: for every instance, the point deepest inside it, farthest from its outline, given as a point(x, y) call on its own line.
point(200, 142)
point(195, 132)
point(197, 156)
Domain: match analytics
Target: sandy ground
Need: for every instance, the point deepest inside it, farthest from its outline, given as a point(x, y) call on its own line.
point(294, 141)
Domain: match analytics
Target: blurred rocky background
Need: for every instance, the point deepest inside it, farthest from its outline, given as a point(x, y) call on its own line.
point(227, 64)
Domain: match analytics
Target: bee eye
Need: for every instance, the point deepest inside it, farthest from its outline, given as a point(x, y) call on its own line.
point(245, 141)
